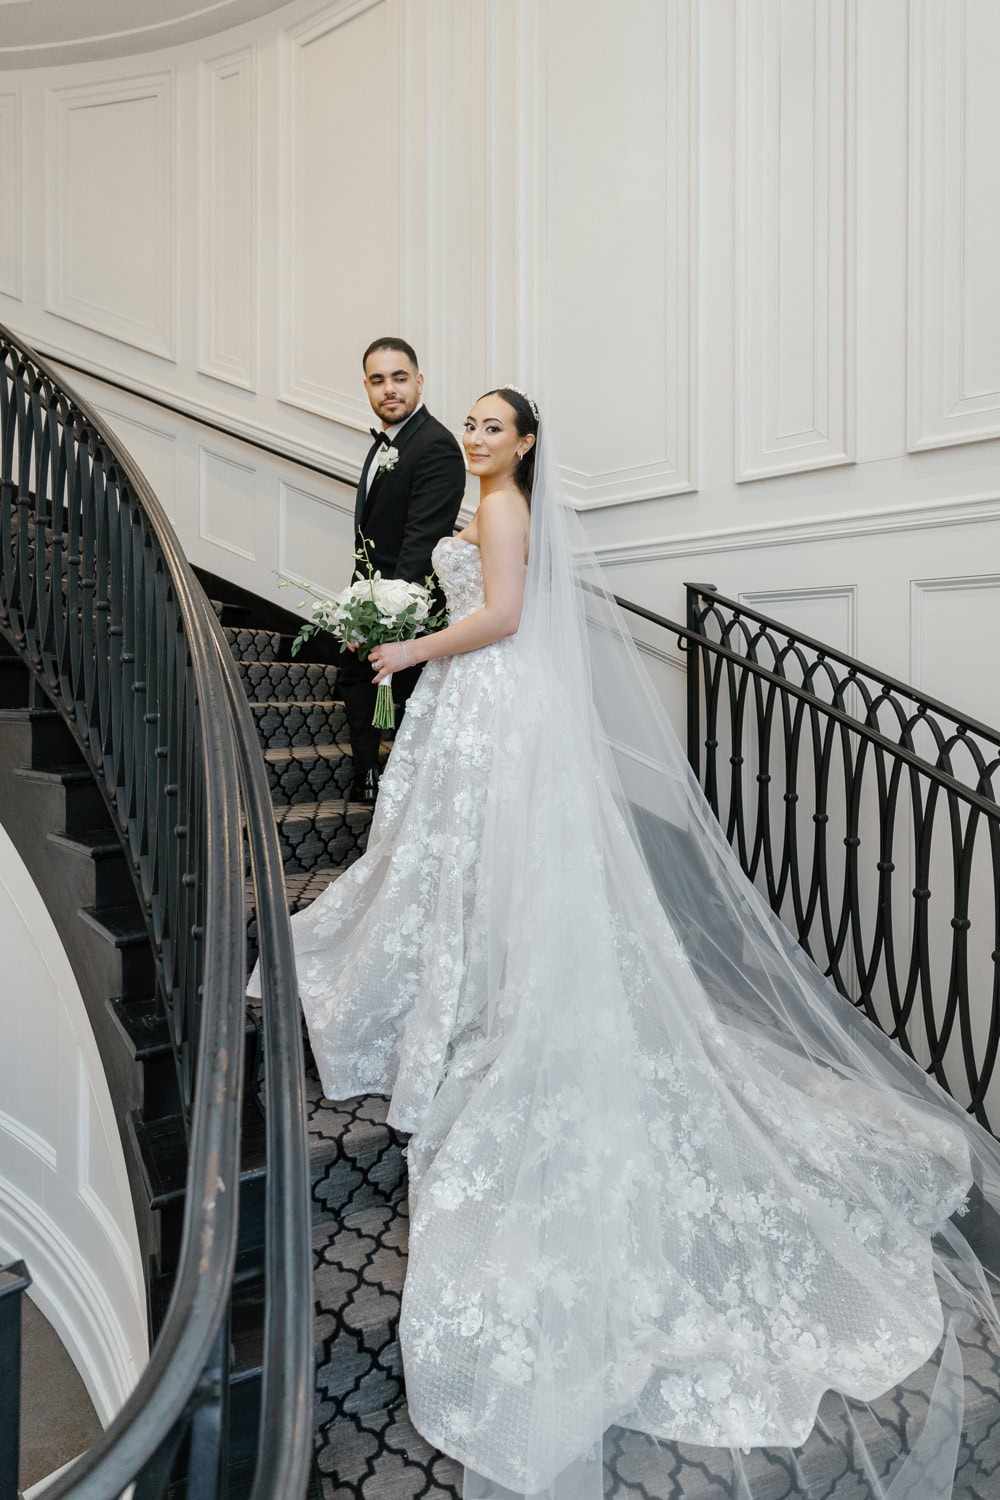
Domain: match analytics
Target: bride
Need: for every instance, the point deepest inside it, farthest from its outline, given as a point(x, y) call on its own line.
point(662, 1176)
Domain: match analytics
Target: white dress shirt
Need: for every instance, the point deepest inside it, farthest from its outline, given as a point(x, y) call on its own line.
point(391, 433)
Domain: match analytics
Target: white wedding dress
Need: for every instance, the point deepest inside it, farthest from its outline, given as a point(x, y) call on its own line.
point(640, 1193)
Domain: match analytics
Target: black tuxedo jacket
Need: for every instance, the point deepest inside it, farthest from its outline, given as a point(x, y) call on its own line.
point(412, 505)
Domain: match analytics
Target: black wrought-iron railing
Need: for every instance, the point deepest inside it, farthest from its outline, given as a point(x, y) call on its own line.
point(97, 598)
point(867, 813)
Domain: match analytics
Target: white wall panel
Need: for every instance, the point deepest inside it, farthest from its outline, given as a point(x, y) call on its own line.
point(111, 209)
point(227, 322)
point(794, 183)
point(619, 141)
point(316, 538)
point(10, 194)
point(949, 616)
point(458, 214)
point(228, 503)
point(829, 614)
point(154, 450)
point(341, 246)
point(954, 369)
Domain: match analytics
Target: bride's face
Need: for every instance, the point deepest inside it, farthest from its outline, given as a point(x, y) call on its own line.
point(492, 442)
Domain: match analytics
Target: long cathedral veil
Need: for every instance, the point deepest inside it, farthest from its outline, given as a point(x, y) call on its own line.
point(678, 1185)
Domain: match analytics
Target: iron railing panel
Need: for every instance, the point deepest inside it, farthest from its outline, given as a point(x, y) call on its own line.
point(97, 597)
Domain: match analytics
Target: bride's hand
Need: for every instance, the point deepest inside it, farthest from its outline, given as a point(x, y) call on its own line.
point(391, 656)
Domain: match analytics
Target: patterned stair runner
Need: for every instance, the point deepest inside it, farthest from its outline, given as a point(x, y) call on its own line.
point(365, 1444)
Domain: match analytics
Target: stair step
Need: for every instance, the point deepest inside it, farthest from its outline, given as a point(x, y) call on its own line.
point(122, 925)
point(145, 1032)
point(317, 722)
point(382, 1456)
point(315, 835)
point(288, 681)
point(309, 773)
point(50, 739)
point(124, 930)
point(162, 1151)
point(113, 884)
point(358, 1272)
point(83, 805)
point(300, 891)
point(144, 1026)
point(249, 644)
point(356, 1160)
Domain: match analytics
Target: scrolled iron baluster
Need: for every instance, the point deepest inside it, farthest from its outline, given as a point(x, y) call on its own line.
point(793, 721)
point(712, 677)
point(979, 1073)
point(762, 850)
point(736, 825)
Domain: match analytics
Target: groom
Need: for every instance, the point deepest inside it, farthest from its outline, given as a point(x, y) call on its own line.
point(408, 497)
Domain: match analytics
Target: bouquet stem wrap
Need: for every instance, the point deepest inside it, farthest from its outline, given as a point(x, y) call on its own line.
point(385, 706)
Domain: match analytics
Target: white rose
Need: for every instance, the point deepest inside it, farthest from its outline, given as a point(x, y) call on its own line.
point(393, 596)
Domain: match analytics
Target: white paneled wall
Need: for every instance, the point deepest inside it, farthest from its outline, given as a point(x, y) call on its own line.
point(617, 154)
point(794, 183)
point(109, 164)
point(10, 194)
point(227, 203)
point(954, 223)
point(744, 250)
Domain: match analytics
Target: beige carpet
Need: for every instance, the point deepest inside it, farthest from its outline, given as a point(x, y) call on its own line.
point(58, 1420)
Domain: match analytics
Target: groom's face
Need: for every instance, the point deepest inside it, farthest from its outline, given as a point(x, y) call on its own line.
point(393, 385)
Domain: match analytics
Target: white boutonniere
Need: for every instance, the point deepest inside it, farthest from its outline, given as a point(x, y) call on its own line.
point(387, 459)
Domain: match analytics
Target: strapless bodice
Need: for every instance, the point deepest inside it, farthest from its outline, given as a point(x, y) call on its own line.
point(458, 566)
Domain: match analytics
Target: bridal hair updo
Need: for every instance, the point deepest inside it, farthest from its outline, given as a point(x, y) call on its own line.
point(526, 421)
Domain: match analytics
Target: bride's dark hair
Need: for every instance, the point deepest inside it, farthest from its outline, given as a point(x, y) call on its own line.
point(526, 422)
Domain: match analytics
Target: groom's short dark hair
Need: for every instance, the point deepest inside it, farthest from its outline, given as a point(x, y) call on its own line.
point(391, 343)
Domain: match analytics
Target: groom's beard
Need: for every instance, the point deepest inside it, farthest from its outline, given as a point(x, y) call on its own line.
point(389, 415)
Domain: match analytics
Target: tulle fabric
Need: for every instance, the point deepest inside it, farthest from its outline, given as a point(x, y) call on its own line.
point(685, 1188)
point(662, 1176)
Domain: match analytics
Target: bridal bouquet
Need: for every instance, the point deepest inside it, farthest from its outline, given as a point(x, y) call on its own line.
point(372, 610)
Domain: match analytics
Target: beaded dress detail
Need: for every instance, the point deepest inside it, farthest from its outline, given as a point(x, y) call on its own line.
point(382, 956)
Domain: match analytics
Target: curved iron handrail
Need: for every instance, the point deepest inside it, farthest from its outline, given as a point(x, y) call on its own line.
point(98, 599)
point(822, 789)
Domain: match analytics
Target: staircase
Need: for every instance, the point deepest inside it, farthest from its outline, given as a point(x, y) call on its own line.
point(365, 1444)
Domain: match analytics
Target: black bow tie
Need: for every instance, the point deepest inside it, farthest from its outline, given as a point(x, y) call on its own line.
point(380, 437)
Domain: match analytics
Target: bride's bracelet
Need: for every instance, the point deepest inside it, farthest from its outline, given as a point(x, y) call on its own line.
point(406, 657)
